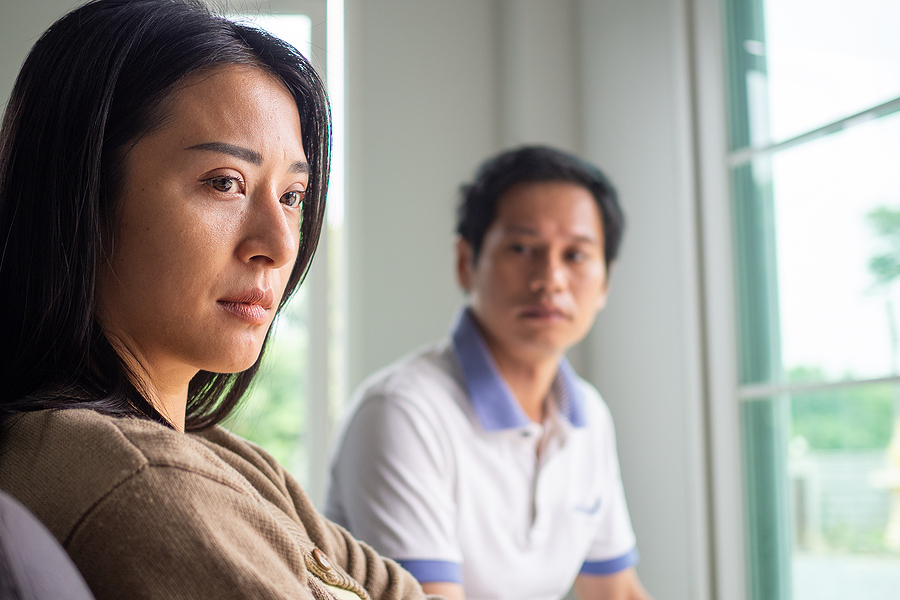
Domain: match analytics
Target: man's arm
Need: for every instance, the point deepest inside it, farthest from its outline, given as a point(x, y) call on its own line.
point(392, 486)
point(450, 591)
point(623, 585)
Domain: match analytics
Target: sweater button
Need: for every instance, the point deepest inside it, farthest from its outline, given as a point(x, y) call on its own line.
point(322, 559)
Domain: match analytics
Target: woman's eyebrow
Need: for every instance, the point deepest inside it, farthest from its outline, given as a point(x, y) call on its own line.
point(245, 154)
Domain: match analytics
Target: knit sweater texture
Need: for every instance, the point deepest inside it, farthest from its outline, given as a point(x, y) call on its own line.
point(148, 512)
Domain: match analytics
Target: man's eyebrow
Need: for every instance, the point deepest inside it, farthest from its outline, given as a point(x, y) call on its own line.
point(245, 154)
point(523, 230)
point(587, 239)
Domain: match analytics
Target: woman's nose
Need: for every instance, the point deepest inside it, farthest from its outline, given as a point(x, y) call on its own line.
point(270, 234)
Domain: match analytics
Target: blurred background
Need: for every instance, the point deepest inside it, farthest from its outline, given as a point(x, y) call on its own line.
point(749, 352)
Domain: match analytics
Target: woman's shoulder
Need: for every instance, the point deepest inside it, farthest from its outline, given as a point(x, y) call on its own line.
point(61, 463)
point(87, 438)
point(248, 459)
point(261, 470)
point(58, 463)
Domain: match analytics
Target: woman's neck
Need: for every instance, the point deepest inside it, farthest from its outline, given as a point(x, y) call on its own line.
point(164, 387)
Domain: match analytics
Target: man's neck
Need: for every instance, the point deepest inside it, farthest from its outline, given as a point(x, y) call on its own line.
point(530, 381)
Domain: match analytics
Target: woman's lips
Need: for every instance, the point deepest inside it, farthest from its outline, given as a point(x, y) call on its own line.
point(251, 306)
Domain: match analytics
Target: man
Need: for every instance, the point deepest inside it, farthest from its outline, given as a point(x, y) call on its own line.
point(484, 465)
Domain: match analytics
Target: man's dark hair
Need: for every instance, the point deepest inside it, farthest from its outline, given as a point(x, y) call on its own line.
point(95, 83)
point(478, 208)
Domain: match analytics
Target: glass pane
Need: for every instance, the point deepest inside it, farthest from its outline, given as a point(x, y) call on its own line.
point(801, 64)
point(835, 206)
point(844, 470)
point(273, 413)
point(823, 494)
point(829, 59)
point(295, 29)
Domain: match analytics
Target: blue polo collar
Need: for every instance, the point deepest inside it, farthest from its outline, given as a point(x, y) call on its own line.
point(493, 401)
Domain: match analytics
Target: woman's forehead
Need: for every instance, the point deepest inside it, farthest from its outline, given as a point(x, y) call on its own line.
point(236, 106)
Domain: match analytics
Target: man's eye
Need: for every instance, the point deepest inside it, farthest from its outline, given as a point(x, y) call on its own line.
point(222, 184)
point(293, 198)
point(518, 248)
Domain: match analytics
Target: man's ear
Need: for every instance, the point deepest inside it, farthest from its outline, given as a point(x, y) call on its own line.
point(604, 292)
point(464, 264)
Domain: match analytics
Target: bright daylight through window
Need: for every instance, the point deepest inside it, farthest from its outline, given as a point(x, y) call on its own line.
point(289, 409)
point(815, 149)
point(273, 413)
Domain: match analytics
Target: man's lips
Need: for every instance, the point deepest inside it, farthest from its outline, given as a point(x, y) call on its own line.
point(543, 312)
point(251, 305)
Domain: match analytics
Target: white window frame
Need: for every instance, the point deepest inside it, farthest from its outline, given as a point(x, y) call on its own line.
point(326, 278)
point(724, 464)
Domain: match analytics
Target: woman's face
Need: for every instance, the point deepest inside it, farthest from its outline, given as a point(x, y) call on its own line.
point(209, 230)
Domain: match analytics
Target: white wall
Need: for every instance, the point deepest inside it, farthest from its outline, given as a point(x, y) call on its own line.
point(434, 88)
point(420, 117)
point(21, 23)
point(645, 349)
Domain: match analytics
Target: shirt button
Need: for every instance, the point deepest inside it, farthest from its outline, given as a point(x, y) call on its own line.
point(322, 559)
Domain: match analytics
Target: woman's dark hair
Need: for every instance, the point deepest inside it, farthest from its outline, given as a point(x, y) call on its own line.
point(478, 208)
point(92, 86)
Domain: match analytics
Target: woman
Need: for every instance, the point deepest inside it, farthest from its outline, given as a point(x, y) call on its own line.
point(162, 188)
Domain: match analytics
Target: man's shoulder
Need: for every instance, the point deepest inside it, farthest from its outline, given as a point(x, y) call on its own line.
point(425, 390)
point(596, 411)
point(430, 373)
point(588, 392)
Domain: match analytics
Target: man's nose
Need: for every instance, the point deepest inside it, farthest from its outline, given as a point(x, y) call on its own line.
point(549, 273)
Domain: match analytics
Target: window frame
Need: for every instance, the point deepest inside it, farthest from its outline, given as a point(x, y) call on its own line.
point(725, 394)
point(714, 208)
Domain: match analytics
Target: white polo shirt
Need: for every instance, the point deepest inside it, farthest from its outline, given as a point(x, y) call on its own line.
point(437, 466)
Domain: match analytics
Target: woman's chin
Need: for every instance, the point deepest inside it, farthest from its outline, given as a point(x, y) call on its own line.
point(234, 364)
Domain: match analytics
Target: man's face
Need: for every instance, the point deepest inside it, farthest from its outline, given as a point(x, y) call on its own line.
point(540, 278)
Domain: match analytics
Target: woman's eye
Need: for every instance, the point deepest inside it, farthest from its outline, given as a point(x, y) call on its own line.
point(223, 184)
point(517, 248)
point(293, 198)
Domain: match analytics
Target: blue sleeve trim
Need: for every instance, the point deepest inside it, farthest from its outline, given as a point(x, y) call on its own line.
point(613, 565)
point(432, 571)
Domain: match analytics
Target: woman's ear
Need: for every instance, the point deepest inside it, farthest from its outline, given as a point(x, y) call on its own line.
point(464, 266)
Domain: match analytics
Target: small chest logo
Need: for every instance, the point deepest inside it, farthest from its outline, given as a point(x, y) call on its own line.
point(588, 509)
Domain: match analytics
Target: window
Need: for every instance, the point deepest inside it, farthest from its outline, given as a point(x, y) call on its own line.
point(272, 414)
point(289, 410)
point(815, 180)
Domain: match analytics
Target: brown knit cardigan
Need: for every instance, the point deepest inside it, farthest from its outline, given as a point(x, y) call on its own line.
point(148, 512)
